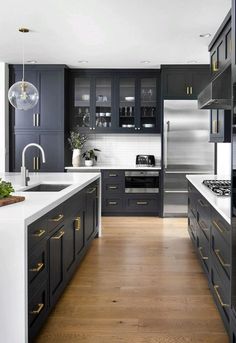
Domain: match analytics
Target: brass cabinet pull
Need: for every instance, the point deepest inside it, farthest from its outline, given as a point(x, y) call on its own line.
point(113, 187)
point(37, 163)
point(202, 203)
point(39, 233)
point(37, 119)
point(200, 252)
point(39, 309)
point(222, 262)
point(34, 163)
point(187, 90)
point(57, 219)
point(37, 269)
point(113, 175)
point(215, 66)
point(34, 119)
point(203, 225)
point(77, 224)
point(222, 231)
point(91, 190)
point(59, 236)
point(112, 203)
point(216, 287)
point(215, 126)
point(191, 90)
point(141, 202)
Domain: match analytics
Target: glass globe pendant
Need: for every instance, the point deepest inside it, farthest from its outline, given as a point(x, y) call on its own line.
point(23, 95)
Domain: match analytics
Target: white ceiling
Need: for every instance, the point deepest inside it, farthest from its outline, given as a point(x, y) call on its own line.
point(109, 33)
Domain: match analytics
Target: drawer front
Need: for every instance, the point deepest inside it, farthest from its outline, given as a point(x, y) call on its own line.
point(221, 226)
point(37, 268)
point(113, 174)
point(36, 232)
point(220, 251)
point(142, 204)
point(203, 249)
point(113, 204)
point(192, 226)
point(221, 294)
point(55, 218)
point(204, 216)
point(37, 311)
point(113, 187)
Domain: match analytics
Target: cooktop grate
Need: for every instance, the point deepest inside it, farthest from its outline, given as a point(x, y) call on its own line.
point(219, 187)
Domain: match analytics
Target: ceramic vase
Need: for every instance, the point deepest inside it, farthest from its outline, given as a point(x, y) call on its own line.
point(76, 157)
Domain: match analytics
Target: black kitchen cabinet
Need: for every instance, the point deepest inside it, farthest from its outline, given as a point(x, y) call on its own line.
point(91, 212)
point(220, 126)
point(115, 101)
point(184, 81)
point(19, 141)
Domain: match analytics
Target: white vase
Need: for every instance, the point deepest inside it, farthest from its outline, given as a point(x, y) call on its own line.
point(88, 163)
point(76, 157)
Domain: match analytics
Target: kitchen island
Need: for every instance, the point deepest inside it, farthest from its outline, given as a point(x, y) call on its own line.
point(43, 239)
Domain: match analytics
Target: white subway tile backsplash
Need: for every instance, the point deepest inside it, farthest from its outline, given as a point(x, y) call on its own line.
point(122, 149)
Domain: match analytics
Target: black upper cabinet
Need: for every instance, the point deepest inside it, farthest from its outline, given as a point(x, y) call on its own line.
point(184, 81)
point(48, 114)
point(220, 126)
point(115, 101)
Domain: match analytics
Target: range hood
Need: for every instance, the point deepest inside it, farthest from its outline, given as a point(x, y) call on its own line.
point(217, 95)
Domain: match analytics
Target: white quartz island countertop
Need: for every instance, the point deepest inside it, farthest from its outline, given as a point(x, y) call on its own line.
point(222, 204)
point(14, 220)
point(99, 167)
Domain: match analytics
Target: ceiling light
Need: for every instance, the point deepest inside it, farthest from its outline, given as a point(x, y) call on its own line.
point(205, 35)
point(23, 95)
point(145, 62)
point(32, 61)
point(82, 62)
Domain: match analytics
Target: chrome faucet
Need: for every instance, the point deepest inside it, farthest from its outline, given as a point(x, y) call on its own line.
point(24, 172)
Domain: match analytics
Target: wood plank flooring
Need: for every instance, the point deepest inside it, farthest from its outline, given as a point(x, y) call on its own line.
point(139, 283)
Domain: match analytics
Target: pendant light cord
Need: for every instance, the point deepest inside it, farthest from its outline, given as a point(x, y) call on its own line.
point(23, 53)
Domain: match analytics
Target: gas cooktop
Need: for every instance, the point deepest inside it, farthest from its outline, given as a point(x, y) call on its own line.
point(219, 187)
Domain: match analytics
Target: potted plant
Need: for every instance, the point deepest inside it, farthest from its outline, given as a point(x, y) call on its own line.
point(76, 141)
point(90, 157)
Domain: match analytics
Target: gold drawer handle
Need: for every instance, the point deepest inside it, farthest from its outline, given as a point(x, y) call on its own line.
point(141, 202)
point(113, 187)
point(60, 235)
point(215, 66)
point(216, 287)
point(202, 203)
point(112, 203)
point(222, 231)
point(200, 252)
point(39, 309)
point(191, 90)
point(91, 190)
point(222, 262)
point(77, 224)
point(187, 90)
point(203, 225)
point(37, 269)
point(39, 233)
point(60, 217)
point(112, 175)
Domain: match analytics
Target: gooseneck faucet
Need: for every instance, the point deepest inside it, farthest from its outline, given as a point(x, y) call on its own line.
point(24, 172)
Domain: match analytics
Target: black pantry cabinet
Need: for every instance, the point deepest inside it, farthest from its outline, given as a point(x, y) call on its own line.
point(115, 101)
point(45, 123)
point(184, 81)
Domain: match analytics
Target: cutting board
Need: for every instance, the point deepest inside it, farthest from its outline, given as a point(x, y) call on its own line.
point(11, 200)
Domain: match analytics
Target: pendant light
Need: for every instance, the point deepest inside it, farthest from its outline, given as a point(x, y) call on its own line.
point(23, 95)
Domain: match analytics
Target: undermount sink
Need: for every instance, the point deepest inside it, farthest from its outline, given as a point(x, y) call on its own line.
point(46, 187)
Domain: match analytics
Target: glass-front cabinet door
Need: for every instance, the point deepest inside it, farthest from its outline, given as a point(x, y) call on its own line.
point(148, 104)
point(82, 118)
point(104, 114)
point(127, 104)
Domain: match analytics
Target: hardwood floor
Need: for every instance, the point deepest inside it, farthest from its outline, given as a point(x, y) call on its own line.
point(139, 283)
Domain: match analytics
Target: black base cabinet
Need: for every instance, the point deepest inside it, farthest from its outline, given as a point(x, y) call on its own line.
point(57, 242)
point(210, 235)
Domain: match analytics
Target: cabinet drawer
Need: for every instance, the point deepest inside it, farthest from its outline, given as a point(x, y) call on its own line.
point(37, 268)
point(112, 205)
point(221, 294)
point(192, 199)
point(36, 232)
point(192, 225)
point(37, 311)
point(204, 216)
point(113, 174)
point(221, 226)
point(220, 251)
point(113, 187)
point(55, 218)
point(203, 249)
point(142, 204)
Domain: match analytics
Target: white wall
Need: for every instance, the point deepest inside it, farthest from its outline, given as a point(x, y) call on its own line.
point(224, 159)
point(4, 118)
point(122, 149)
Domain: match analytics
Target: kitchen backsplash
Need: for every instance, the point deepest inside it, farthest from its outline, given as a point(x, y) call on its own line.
point(122, 149)
point(224, 159)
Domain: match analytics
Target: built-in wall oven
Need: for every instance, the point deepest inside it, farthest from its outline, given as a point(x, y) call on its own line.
point(142, 181)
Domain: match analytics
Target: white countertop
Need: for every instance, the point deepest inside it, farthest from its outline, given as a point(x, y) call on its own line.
point(222, 204)
point(99, 167)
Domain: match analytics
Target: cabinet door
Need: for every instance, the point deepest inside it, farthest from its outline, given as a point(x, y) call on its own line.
point(56, 252)
point(104, 104)
point(200, 80)
point(51, 112)
point(25, 119)
point(176, 84)
point(20, 140)
point(221, 54)
point(90, 213)
point(53, 145)
point(228, 45)
point(127, 104)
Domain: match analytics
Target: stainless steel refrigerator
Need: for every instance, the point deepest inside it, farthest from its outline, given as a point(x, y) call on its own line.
point(186, 151)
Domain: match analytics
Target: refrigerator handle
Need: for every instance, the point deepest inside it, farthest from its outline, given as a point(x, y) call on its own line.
point(166, 130)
